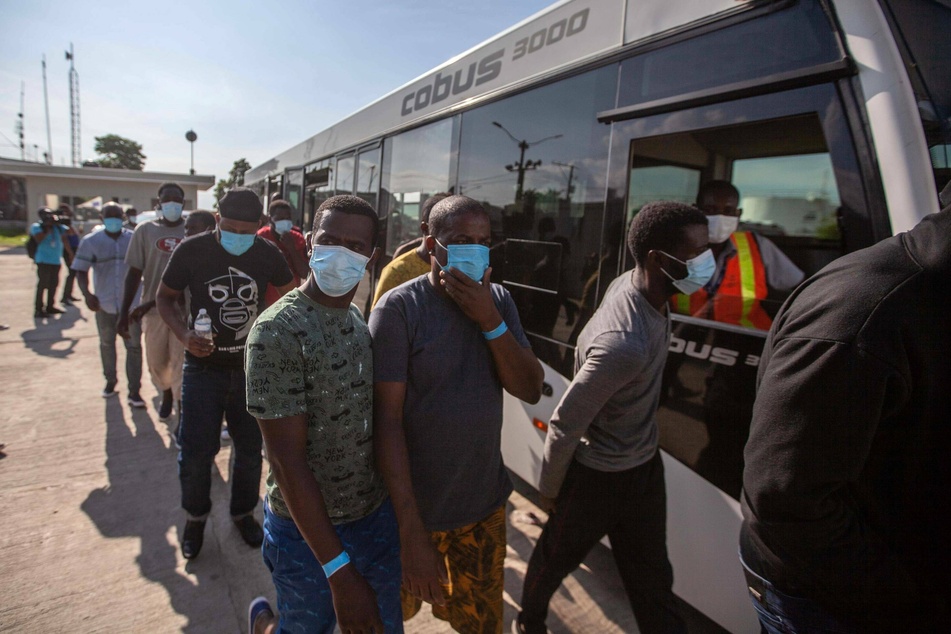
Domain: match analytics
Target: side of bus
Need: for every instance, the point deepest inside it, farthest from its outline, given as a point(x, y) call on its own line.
point(805, 107)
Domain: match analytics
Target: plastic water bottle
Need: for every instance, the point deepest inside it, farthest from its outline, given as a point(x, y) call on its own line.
point(203, 324)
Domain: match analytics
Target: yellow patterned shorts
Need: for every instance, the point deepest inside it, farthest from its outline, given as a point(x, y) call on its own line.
point(475, 558)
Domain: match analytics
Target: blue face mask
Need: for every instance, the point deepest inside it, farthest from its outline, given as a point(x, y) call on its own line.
point(283, 226)
point(112, 225)
point(337, 269)
point(471, 259)
point(236, 243)
point(172, 212)
point(699, 271)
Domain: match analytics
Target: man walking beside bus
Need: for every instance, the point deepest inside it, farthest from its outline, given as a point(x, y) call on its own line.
point(445, 345)
point(613, 482)
point(225, 272)
point(104, 252)
point(331, 540)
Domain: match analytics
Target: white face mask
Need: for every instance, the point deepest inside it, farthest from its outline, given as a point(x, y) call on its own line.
point(337, 269)
point(172, 212)
point(720, 228)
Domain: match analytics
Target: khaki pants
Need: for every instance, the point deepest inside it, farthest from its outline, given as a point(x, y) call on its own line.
point(164, 354)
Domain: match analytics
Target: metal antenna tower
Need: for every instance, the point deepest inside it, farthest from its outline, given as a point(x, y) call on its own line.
point(46, 103)
point(76, 142)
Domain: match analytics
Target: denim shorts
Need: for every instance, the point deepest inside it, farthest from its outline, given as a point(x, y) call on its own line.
point(304, 599)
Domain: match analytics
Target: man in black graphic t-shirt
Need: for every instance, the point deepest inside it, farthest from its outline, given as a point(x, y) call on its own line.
point(226, 272)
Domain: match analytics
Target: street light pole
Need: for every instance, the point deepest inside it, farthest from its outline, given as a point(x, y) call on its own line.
point(192, 137)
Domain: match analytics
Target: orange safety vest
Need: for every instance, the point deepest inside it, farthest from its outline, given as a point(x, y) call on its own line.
point(738, 299)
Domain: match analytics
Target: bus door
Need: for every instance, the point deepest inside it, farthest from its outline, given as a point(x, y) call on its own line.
point(791, 158)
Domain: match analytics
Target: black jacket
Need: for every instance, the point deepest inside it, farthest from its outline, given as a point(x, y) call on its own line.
point(847, 486)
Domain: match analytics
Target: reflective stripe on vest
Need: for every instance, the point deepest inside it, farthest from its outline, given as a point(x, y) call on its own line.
point(739, 297)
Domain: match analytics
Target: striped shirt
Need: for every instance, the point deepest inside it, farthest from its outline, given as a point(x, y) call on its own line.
point(106, 256)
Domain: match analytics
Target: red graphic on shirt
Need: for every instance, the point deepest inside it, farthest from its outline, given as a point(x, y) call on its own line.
point(167, 243)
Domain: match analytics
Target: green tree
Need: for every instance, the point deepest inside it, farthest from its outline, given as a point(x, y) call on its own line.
point(116, 151)
point(235, 178)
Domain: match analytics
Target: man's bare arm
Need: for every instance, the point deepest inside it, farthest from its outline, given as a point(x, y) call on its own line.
point(424, 570)
point(353, 598)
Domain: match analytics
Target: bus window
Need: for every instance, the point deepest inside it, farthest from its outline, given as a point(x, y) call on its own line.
point(345, 167)
point(318, 187)
point(536, 161)
point(368, 175)
point(416, 165)
point(293, 190)
point(661, 182)
point(782, 184)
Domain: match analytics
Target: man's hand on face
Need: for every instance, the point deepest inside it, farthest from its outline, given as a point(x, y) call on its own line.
point(424, 568)
point(473, 298)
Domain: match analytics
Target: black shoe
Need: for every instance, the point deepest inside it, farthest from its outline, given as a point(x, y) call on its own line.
point(250, 530)
point(40, 314)
point(53, 310)
point(192, 538)
point(66, 301)
point(165, 410)
point(109, 390)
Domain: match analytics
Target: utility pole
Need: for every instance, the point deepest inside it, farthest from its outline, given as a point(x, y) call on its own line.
point(19, 125)
point(76, 141)
point(46, 103)
point(522, 166)
point(571, 173)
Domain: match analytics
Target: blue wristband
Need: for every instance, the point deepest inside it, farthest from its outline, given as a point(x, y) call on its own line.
point(336, 563)
point(496, 333)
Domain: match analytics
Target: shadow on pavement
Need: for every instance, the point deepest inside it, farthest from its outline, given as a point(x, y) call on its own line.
point(46, 337)
point(142, 500)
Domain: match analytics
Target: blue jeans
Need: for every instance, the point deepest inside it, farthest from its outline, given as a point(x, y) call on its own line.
point(106, 323)
point(304, 599)
point(780, 613)
point(208, 393)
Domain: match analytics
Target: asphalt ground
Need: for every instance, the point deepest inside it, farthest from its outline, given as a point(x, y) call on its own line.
point(90, 504)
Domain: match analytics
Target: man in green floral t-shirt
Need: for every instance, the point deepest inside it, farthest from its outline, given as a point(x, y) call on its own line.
point(331, 539)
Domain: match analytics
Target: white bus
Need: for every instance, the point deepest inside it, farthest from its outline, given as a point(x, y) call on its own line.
point(829, 116)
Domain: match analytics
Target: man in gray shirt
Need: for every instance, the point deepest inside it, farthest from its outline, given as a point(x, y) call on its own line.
point(601, 456)
point(444, 347)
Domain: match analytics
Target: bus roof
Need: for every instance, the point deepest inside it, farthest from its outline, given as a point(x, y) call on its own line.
point(567, 34)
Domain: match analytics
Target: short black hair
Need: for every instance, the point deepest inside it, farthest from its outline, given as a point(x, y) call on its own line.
point(165, 186)
point(660, 225)
point(131, 211)
point(205, 217)
point(717, 187)
point(448, 209)
point(280, 203)
point(348, 204)
point(111, 207)
point(429, 203)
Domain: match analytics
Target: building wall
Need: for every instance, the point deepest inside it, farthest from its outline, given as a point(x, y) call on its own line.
point(139, 195)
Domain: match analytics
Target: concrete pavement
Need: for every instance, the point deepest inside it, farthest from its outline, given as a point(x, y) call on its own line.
point(90, 499)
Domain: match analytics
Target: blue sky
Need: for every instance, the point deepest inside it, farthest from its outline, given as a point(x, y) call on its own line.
point(251, 78)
